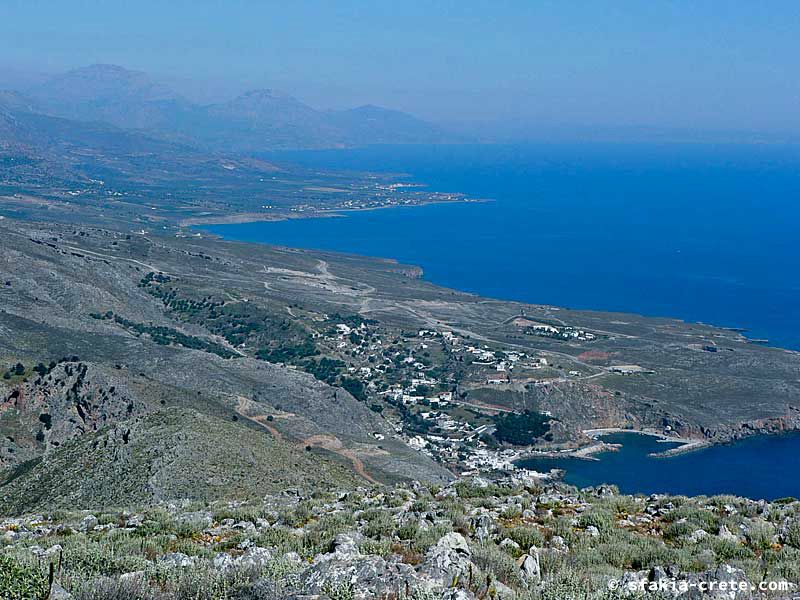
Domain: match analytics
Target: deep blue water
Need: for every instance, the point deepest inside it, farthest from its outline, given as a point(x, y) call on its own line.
point(702, 233)
point(761, 467)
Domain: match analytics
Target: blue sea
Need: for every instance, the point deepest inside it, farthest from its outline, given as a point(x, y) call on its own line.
point(760, 467)
point(704, 233)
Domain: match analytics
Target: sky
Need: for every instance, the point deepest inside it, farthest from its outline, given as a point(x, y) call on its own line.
point(695, 65)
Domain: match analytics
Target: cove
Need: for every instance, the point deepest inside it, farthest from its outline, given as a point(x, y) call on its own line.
point(759, 467)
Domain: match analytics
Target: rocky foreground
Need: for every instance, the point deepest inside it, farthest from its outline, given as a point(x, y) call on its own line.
point(510, 538)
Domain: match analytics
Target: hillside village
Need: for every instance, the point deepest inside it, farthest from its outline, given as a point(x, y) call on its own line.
point(422, 378)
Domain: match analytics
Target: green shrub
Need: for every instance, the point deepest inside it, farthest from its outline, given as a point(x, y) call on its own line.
point(334, 524)
point(89, 559)
point(788, 568)
point(679, 530)
point(574, 585)
point(156, 521)
point(341, 591)
point(110, 588)
point(20, 582)
point(408, 531)
point(600, 518)
point(726, 550)
point(240, 513)
point(379, 547)
point(698, 518)
point(793, 534)
point(492, 560)
point(621, 505)
point(526, 537)
point(426, 538)
point(513, 511)
point(299, 516)
point(759, 535)
point(379, 524)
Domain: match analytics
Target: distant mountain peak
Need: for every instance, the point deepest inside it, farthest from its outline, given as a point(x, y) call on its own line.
point(373, 110)
point(105, 68)
point(261, 105)
point(104, 72)
point(257, 120)
point(263, 99)
point(101, 82)
point(267, 93)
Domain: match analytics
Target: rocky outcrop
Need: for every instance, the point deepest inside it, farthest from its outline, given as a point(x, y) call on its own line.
point(449, 560)
point(369, 576)
point(61, 402)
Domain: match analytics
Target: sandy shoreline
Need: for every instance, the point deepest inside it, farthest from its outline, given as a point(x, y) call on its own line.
point(239, 218)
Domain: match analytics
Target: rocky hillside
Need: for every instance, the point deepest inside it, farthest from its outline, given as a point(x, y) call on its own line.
point(167, 454)
point(507, 539)
point(75, 372)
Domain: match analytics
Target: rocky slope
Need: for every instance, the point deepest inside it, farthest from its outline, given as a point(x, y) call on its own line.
point(97, 373)
point(507, 539)
point(164, 455)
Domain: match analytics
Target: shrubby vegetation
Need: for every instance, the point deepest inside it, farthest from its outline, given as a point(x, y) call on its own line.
point(325, 369)
point(166, 336)
point(21, 581)
point(580, 539)
point(520, 429)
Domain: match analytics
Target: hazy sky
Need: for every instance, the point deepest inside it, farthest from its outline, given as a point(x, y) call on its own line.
point(699, 65)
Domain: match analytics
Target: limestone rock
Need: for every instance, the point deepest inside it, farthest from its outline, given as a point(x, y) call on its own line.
point(448, 560)
point(177, 560)
point(199, 519)
point(254, 557)
point(59, 593)
point(530, 566)
point(88, 523)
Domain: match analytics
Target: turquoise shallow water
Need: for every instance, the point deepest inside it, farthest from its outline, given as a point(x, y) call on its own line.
point(758, 467)
point(703, 233)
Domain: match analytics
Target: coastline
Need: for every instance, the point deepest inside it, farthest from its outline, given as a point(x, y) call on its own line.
point(336, 213)
point(597, 446)
point(685, 444)
point(588, 449)
point(333, 213)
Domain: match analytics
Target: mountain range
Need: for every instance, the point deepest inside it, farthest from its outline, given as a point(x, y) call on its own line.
point(257, 121)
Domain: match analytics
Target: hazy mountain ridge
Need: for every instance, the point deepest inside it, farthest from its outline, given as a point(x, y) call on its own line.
point(41, 153)
point(60, 169)
point(112, 94)
point(257, 120)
